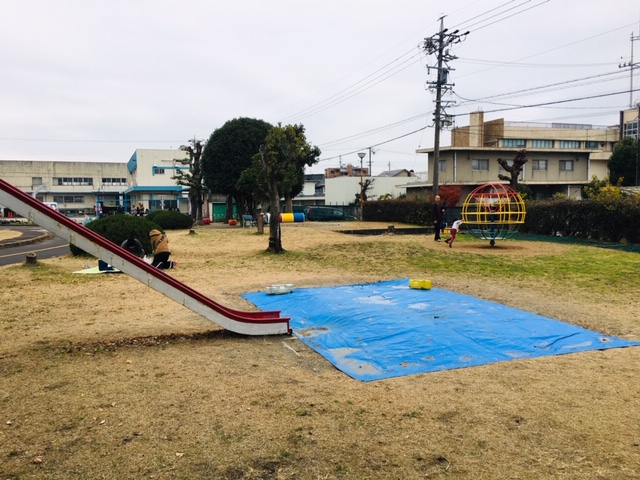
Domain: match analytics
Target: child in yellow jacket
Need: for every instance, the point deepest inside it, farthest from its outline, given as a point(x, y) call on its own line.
point(161, 252)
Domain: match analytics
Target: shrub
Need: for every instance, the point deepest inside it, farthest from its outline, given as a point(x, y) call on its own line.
point(117, 228)
point(170, 219)
point(399, 210)
point(605, 218)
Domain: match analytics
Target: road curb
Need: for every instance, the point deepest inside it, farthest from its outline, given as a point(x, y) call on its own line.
point(26, 241)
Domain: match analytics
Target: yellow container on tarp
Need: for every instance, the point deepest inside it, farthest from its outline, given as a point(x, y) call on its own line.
point(420, 284)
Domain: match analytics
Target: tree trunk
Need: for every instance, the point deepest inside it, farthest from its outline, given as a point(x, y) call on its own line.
point(200, 218)
point(288, 204)
point(275, 240)
point(196, 209)
point(229, 213)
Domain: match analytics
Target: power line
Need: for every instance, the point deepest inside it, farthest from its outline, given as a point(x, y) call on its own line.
point(375, 130)
point(385, 72)
point(542, 104)
point(618, 75)
point(512, 15)
point(550, 50)
point(373, 146)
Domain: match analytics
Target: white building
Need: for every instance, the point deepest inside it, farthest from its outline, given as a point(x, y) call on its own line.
point(343, 190)
point(151, 186)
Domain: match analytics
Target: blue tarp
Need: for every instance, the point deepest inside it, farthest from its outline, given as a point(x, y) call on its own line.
point(386, 329)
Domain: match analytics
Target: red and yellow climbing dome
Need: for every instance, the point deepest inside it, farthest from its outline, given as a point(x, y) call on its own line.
point(493, 212)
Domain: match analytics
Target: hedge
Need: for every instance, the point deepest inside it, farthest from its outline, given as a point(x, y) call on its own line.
point(612, 220)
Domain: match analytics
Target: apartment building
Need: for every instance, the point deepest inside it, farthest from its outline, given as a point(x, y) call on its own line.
point(563, 157)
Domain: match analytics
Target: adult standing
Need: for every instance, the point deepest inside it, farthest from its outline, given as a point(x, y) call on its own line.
point(438, 216)
point(161, 252)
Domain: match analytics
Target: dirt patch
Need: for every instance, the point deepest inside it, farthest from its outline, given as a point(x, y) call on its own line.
point(8, 234)
point(101, 377)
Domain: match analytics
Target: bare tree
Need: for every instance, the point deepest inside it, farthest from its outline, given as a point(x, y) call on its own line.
point(193, 178)
point(515, 169)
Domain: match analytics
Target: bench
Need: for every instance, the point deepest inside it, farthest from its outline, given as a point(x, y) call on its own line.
point(248, 220)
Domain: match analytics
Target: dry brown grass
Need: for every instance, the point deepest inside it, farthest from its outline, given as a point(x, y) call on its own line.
point(102, 377)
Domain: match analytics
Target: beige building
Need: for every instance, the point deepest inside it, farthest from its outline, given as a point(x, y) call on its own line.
point(82, 188)
point(348, 171)
point(77, 187)
point(562, 157)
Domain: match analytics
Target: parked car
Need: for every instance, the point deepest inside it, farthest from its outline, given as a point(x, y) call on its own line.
point(325, 214)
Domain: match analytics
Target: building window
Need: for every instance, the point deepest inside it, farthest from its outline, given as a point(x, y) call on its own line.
point(479, 164)
point(514, 142)
point(158, 171)
point(114, 181)
point(73, 181)
point(569, 144)
point(591, 145)
point(36, 181)
point(68, 199)
point(442, 166)
point(539, 165)
point(630, 129)
point(541, 143)
point(566, 165)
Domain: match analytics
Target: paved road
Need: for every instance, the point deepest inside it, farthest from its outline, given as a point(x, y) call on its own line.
point(14, 251)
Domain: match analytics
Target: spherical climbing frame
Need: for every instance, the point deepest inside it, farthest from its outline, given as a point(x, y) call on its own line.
point(493, 212)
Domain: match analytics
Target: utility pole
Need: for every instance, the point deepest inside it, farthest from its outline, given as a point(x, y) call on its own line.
point(631, 66)
point(439, 44)
point(638, 148)
point(361, 155)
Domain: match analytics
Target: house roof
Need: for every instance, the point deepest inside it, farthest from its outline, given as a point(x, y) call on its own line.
point(394, 173)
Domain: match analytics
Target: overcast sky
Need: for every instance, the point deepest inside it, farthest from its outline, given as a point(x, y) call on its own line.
point(84, 80)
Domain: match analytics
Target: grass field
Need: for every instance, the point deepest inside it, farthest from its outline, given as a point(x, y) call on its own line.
point(103, 378)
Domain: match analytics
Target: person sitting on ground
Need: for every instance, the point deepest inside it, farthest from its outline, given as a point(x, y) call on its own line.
point(133, 245)
point(161, 252)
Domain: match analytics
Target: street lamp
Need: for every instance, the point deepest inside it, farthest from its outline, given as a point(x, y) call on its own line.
point(361, 155)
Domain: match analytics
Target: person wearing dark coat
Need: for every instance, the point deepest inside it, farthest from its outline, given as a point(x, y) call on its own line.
point(133, 245)
point(438, 216)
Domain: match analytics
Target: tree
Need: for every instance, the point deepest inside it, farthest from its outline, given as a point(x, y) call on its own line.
point(602, 189)
point(515, 169)
point(193, 178)
point(367, 185)
point(283, 155)
point(622, 163)
point(292, 182)
point(450, 194)
point(229, 151)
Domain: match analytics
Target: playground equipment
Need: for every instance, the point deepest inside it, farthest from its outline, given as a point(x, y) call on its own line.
point(292, 217)
point(493, 212)
point(247, 323)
